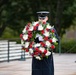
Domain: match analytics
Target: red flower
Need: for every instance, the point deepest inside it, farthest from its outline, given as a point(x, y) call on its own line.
point(45, 38)
point(37, 49)
point(43, 44)
point(45, 51)
point(21, 35)
point(53, 47)
point(44, 22)
point(28, 39)
point(26, 50)
point(50, 40)
point(47, 29)
point(36, 53)
point(29, 34)
point(37, 24)
point(53, 31)
point(30, 45)
point(35, 27)
point(27, 28)
point(42, 31)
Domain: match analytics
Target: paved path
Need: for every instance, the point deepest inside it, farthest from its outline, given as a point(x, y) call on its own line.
point(64, 65)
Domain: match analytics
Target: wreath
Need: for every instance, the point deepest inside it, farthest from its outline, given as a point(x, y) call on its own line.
point(48, 37)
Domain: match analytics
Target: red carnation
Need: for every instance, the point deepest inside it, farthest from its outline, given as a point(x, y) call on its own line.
point(42, 43)
point(50, 40)
point(52, 30)
point(36, 53)
point(47, 29)
point(30, 36)
point(21, 35)
point(53, 47)
point(46, 38)
point(37, 24)
point(42, 31)
point(29, 32)
point(37, 49)
point(30, 45)
point(35, 27)
point(44, 22)
point(26, 50)
point(45, 51)
point(27, 28)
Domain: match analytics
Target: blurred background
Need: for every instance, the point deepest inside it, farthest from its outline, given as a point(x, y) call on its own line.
point(15, 14)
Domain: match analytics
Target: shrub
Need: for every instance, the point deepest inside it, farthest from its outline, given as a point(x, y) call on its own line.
point(67, 47)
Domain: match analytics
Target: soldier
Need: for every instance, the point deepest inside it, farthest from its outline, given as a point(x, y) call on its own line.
point(45, 66)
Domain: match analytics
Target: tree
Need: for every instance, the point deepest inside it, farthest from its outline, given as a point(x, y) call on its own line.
point(16, 13)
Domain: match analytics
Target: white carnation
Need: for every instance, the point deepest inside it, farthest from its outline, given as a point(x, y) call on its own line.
point(49, 26)
point(48, 53)
point(22, 42)
point(42, 49)
point(31, 28)
point(48, 44)
point(24, 30)
point(37, 45)
point(40, 27)
point(31, 50)
point(46, 33)
point(25, 37)
point(54, 39)
point(37, 57)
point(26, 44)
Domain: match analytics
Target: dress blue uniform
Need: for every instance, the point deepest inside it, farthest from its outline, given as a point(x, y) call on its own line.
point(45, 66)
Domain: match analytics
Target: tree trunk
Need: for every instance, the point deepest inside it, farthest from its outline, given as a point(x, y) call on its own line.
point(51, 12)
point(58, 18)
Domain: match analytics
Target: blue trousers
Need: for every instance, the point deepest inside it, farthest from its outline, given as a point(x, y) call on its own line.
point(43, 67)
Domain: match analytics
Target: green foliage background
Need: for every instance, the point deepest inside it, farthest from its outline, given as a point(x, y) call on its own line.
point(14, 15)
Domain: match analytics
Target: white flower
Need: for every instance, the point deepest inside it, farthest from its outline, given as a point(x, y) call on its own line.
point(46, 33)
point(31, 28)
point(22, 42)
point(26, 44)
point(54, 39)
point(42, 49)
point(25, 37)
point(37, 57)
point(48, 53)
point(49, 26)
point(24, 30)
point(40, 27)
point(31, 50)
point(48, 44)
point(37, 45)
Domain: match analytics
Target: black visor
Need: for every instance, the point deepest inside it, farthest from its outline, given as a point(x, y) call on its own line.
point(42, 14)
